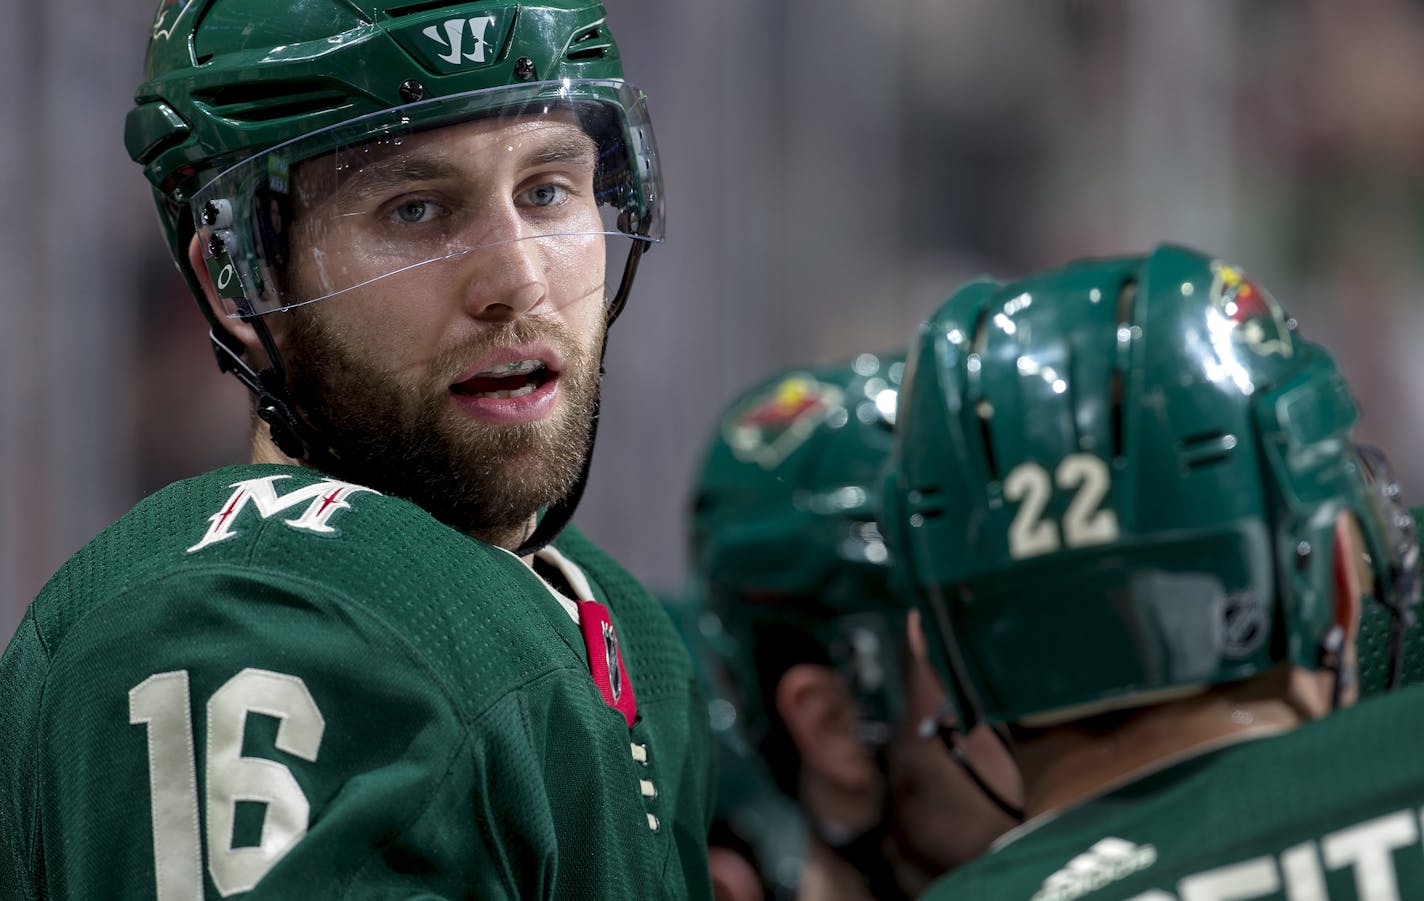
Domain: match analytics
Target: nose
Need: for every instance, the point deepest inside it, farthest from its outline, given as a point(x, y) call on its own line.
point(507, 278)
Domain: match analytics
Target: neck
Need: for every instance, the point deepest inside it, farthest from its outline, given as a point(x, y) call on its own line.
point(1066, 765)
point(262, 449)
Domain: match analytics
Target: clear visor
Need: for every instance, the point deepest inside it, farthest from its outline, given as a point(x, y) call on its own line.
point(536, 190)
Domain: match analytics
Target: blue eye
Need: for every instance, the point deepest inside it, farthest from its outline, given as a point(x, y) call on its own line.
point(415, 211)
point(544, 195)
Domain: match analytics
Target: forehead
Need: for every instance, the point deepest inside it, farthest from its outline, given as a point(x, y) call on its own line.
point(481, 148)
point(485, 141)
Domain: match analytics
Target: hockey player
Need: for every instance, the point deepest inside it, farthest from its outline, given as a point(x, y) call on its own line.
point(788, 554)
point(1142, 540)
point(356, 668)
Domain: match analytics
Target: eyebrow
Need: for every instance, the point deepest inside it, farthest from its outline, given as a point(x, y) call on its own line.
point(380, 174)
point(573, 148)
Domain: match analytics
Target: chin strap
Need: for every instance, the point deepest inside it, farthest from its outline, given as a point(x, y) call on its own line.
point(936, 725)
point(268, 385)
point(558, 514)
point(1332, 660)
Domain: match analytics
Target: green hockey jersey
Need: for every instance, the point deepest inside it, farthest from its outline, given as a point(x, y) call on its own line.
point(263, 683)
point(1327, 812)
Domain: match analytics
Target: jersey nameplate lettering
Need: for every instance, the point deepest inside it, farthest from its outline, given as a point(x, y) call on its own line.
point(323, 500)
point(1366, 849)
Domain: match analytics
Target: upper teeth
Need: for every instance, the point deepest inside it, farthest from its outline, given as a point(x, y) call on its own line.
point(519, 367)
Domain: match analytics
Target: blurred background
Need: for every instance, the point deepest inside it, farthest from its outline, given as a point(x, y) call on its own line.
point(835, 168)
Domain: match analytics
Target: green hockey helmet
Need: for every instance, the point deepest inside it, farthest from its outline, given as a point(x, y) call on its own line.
point(282, 131)
point(785, 544)
point(1118, 481)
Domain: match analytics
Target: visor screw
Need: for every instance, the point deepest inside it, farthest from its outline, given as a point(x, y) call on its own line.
point(411, 90)
point(1302, 555)
point(216, 246)
point(524, 69)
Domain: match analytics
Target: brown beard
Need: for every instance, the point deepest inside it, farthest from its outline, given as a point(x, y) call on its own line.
point(408, 441)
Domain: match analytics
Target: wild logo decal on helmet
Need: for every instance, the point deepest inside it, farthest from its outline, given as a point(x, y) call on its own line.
point(1258, 320)
point(772, 425)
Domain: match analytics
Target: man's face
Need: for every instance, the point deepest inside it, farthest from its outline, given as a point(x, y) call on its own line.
point(462, 369)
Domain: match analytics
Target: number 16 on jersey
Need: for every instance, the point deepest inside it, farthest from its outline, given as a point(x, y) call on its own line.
point(161, 704)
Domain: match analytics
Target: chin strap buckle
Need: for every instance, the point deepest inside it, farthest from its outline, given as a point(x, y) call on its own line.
point(267, 387)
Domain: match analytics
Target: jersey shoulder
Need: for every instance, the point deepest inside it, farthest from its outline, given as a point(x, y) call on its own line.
point(250, 551)
point(1288, 812)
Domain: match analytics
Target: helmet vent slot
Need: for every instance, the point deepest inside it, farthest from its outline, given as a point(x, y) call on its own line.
point(1126, 309)
point(1205, 449)
point(591, 43)
point(927, 502)
point(265, 102)
point(1115, 399)
point(983, 409)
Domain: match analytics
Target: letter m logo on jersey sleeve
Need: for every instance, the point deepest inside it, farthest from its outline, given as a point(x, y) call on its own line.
point(321, 501)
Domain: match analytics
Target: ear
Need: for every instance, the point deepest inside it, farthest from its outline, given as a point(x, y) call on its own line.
point(1352, 574)
point(821, 715)
point(239, 329)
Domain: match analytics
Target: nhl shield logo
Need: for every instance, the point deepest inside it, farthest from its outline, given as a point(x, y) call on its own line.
point(1260, 324)
point(771, 425)
point(612, 659)
point(605, 659)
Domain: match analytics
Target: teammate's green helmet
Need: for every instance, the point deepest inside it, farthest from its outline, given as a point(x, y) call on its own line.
point(261, 122)
point(1118, 481)
point(785, 544)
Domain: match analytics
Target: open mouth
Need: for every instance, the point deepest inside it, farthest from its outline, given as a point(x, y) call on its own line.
point(507, 380)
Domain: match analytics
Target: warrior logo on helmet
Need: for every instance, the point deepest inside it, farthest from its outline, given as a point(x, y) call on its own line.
point(773, 424)
point(1259, 322)
point(162, 28)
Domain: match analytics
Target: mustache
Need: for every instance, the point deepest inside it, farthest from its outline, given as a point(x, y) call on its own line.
point(525, 330)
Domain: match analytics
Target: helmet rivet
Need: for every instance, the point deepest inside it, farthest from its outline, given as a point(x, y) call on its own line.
point(411, 90)
point(216, 246)
point(524, 69)
point(217, 214)
point(1302, 554)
